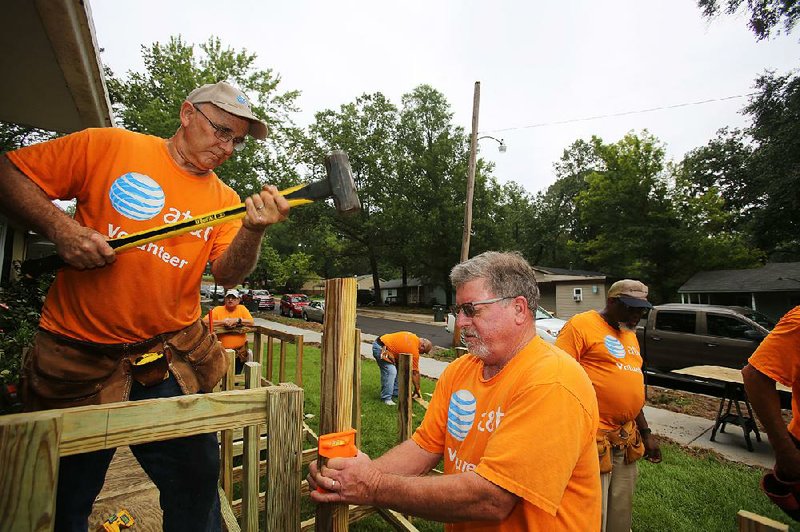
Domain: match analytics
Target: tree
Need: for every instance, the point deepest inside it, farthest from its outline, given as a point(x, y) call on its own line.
point(765, 15)
point(775, 165)
point(431, 189)
point(366, 130)
point(630, 227)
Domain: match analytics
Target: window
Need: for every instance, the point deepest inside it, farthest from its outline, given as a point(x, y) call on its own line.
point(676, 321)
point(726, 326)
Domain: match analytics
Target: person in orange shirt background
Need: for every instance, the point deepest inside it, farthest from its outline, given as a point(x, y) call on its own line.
point(89, 352)
point(231, 316)
point(605, 345)
point(514, 421)
point(777, 359)
point(386, 348)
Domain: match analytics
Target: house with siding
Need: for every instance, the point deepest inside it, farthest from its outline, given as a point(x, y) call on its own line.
point(772, 289)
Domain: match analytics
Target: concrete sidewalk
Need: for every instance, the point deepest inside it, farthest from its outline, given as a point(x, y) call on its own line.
point(689, 431)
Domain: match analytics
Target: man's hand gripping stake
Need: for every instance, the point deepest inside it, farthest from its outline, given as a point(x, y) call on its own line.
point(337, 445)
point(338, 185)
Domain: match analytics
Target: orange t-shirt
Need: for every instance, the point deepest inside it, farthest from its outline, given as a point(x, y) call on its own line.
point(611, 359)
point(403, 342)
point(530, 429)
point(127, 182)
point(778, 357)
point(231, 340)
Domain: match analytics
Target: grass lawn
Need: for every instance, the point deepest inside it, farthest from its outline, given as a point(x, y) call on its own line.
point(689, 491)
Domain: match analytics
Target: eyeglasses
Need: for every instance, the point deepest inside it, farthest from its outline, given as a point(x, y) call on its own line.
point(223, 133)
point(469, 307)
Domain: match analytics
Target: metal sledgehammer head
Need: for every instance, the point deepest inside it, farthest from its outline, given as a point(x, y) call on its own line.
point(338, 184)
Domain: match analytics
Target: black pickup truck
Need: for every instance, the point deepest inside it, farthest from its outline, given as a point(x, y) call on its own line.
point(676, 335)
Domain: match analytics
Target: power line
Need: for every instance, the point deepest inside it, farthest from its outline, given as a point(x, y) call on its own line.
point(624, 113)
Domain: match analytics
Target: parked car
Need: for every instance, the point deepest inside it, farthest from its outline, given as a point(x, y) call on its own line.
point(314, 311)
point(265, 299)
point(292, 305)
point(677, 335)
point(547, 325)
point(364, 297)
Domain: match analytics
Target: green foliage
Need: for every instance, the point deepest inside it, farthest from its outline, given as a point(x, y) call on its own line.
point(765, 15)
point(775, 165)
point(20, 308)
point(14, 136)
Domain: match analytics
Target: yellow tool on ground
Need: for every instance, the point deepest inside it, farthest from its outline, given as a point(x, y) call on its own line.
point(118, 521)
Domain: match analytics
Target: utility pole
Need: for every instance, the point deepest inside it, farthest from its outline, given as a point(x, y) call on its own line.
point(473, 152)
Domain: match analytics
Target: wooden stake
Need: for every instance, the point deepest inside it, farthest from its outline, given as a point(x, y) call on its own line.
point(336, 391)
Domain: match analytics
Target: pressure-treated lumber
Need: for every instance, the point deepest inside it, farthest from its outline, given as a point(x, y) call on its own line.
point(29, 472)
point(284, 465)
point(750, 522)
point(404, 403)
point(336, 391)
point(250, 455)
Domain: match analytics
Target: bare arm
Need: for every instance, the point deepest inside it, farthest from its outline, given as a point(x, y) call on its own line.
point(22, 200)
point(652, 451)
point(263, 209)
point(765, 400)
point(392, 481)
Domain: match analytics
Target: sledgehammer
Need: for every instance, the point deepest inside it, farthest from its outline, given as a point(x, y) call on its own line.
point(338, 185)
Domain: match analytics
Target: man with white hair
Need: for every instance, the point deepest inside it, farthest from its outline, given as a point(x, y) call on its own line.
point(514, 420)
point(88, 352)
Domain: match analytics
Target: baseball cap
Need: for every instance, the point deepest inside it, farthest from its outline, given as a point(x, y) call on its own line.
point(232, 292)
point(232, 100)
point(632, 293)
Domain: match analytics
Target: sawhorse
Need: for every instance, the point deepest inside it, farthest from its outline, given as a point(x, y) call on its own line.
point(734, 392)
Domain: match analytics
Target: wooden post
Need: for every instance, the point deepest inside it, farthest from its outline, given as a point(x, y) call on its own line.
point(356, 424)
point(226, 444)
point(750, 522)
point(29, 453)
point(298, 359)
point(257, 355)
point(270, 355)
point(282, 363)
point(284, 457)
point(250, 456)
point(336, 391)
point(404, 390)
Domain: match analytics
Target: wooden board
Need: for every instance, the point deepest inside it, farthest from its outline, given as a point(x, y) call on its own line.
point(721, 374)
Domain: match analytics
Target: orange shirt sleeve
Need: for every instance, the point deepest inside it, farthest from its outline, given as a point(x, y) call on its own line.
point(570, 340)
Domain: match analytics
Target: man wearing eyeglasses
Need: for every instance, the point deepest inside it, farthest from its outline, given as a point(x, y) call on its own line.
point(605, 344)
point(514, 420)
point(90, 352)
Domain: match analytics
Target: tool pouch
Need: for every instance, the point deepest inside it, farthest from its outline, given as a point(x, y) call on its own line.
point(198, 360)
point(388, 356)
point(60, 373)
point(604, 453)
point(243, 352)
point(150, 369)
point(628, 438)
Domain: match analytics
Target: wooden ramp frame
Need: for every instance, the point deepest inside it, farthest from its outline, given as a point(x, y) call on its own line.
point(32, 443)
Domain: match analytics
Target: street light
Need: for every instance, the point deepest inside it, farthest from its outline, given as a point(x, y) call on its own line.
point(502, 144)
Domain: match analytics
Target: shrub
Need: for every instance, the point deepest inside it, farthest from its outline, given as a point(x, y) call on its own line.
point(20, 308)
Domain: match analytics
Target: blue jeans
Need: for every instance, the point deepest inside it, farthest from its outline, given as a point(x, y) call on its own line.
point(388, 373)
point(185, 470)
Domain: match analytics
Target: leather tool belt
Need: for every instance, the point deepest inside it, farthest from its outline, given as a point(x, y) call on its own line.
point(61, 372)
point(626, 437)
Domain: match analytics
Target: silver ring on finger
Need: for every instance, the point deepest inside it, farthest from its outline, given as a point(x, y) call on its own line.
point(333, 484)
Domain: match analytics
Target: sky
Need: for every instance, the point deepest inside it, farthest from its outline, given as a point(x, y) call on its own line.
point(540, 64)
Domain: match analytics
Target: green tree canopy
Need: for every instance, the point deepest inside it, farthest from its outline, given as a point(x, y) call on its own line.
point(765, 15)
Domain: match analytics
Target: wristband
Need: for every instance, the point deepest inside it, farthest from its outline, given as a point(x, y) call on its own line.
point(645, 432)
